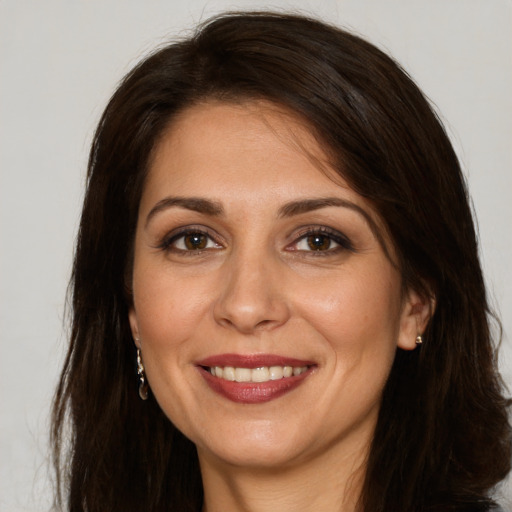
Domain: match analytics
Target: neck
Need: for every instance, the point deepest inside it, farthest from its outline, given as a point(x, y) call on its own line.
point(331, 483)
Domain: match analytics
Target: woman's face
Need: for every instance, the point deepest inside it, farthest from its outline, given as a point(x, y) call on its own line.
point(252, 264)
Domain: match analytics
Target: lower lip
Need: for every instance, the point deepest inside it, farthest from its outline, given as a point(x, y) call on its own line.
point(253, 392)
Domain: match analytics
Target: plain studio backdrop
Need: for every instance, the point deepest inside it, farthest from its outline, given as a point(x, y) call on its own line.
point(60, 62)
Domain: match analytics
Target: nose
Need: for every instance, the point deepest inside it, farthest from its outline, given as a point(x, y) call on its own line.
point(252, 297)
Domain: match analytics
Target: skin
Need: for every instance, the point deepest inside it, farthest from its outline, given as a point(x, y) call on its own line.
point(257, 287)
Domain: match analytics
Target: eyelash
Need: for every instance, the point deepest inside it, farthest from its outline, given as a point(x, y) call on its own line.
point(167, 243)
point(343, 243)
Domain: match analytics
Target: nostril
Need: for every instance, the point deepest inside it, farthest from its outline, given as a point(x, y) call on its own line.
point(264, 323)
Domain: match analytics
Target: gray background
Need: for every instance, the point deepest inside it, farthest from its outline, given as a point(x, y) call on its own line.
point(59, 63)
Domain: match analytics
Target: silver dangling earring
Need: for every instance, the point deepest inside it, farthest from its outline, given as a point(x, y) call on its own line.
point(419, 339)
point(143, 385)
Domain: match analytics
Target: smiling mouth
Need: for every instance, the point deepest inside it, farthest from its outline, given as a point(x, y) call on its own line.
point(256, 375)
point(254, 379)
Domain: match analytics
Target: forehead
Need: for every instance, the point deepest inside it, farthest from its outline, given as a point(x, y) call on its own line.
point(216, 141)
point(252, 156)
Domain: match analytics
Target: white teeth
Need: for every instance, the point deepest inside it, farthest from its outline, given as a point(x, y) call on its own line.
point(242, 374)
point(276, 372)
point(229, 373)
point(262, 374)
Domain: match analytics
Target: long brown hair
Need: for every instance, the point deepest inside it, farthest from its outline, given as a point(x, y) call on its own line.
point(443, 439)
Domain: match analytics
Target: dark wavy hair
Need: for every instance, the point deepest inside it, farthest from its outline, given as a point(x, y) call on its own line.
point(443, 439)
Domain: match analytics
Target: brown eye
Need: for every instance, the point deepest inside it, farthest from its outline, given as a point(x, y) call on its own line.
point(190, 241)
point(322, 241)
point(195, 241)
point(319, 242)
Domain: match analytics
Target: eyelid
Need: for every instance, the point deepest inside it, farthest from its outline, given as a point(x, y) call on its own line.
point(344, 243)
point(166, 242)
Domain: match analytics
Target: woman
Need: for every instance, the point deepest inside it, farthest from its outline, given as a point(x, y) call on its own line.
point(276, 241)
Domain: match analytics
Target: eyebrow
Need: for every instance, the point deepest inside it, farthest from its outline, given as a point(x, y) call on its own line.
point(196, 204)
point(309, 205)
point(214, 208)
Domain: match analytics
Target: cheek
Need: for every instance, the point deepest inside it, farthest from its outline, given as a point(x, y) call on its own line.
point(168, 309)
point(168, 313)
point(361, 309)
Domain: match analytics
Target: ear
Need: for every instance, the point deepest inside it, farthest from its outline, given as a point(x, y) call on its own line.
point(134, 326)
point(416, 313)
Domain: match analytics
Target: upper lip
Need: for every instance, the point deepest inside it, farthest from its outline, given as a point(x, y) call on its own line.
point(252, 360)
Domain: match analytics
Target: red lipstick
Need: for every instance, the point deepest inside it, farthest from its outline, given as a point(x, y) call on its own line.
point(253, 392)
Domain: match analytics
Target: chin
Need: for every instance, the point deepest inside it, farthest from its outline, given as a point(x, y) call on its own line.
point(256, 452)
